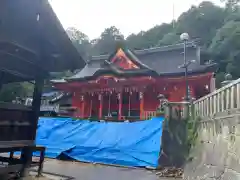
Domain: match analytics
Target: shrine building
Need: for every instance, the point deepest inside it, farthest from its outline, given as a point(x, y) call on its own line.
point(125, 84)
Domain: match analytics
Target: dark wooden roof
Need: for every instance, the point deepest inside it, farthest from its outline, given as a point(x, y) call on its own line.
point(96, 68)
point(32, 40)
point(164, 61)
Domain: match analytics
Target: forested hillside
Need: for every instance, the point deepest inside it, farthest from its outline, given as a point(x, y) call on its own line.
point(217, 29)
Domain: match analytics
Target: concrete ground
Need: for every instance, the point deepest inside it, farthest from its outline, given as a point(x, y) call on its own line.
point(85, 171)
point(88, 171)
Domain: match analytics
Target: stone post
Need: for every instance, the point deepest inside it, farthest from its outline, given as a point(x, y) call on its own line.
point(163, 108)
point(186, 109)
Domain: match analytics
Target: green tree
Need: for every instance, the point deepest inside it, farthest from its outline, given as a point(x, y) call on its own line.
point(201, 22)
point(226, 44)
point(231, 5)
point(10, 91)
point(107, 41)
point(169, 38)
point(136, 41)
point(149, 38)
point(80, 41)
point(216, 28)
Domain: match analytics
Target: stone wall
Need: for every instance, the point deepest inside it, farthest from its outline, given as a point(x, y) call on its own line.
point(173, 148)
point(217, 151)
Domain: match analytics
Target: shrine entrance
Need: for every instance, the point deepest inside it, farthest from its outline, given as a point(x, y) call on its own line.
point(91, 106)
point(95, 103)
point(110, 105)
point(120, 105)
point(131, 105)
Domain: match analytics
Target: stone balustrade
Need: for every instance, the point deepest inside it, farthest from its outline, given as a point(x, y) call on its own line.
point(224, 99)
point(216, 154)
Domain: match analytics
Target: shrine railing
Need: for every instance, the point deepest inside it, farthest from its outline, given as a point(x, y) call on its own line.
point(149, 114)
point(224, 99)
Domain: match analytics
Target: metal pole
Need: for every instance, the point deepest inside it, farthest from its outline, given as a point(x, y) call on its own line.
point(186, 69)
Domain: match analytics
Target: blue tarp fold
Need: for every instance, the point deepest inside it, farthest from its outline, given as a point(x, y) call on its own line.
point(127, 144)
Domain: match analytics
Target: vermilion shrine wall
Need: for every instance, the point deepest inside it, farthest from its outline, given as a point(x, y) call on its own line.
point(90, 103)
point(143, 97)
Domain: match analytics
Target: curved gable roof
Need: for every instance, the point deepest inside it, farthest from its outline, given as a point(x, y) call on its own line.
point(162, 61)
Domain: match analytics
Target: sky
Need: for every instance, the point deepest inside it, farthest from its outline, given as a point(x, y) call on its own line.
point(130, 16)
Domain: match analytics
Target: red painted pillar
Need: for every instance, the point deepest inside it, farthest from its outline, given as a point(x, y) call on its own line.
point(90, 111)
point(119, 106)
point(100, 106)
point(83, 106)
point(74, 103)
point(91, 105)
point(141, 105)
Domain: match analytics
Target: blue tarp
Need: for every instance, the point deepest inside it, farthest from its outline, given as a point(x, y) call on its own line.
point(127, 144)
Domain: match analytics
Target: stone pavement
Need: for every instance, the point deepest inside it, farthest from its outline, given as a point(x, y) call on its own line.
point(87, 171)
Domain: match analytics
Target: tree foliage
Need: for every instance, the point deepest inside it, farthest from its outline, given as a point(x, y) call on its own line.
point(226, 45)
point(217, 29)
point(106, 43)
point(10, 91)
point(231, 5)
point(80, 41)
point(201, 22)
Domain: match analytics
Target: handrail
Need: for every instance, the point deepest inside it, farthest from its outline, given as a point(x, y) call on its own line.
point(221, 100)
point(219, 90)
point(149, 114)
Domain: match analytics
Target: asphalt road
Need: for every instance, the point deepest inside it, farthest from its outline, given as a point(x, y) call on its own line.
point(85, 171)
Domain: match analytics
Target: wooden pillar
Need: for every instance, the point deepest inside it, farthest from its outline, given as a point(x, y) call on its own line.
point(109, 104)
point(1, 79)
point(90, 109)
point(36, 103)
point(83, 106)
point(100, 98)
point(26, 154)
point(119, 105)
point(129, 103)
point(141, 97)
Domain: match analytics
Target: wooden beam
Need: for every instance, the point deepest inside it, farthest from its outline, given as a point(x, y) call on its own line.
point(36, 64)
point(16, 67)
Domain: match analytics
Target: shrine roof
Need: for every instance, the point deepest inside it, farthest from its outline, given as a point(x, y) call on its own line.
point(159, 61)
point(158, 49)
point(33, 41)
